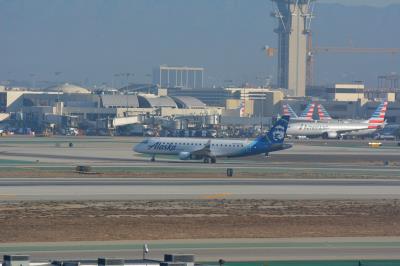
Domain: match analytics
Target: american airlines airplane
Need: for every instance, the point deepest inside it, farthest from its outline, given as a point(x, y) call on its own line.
point(209, 150)
point(322, 113)
point(331, 129)
point(375, 123)
point(306, 115)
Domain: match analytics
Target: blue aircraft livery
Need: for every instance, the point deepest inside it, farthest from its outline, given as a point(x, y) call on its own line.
point(209, 150)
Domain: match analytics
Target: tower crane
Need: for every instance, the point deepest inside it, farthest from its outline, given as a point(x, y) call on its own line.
point(312, 51)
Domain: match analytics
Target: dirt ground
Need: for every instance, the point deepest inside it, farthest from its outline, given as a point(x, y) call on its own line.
point(182, 219)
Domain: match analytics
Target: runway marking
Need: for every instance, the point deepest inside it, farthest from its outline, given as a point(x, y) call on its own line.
point(7, 196)
point(217, 196)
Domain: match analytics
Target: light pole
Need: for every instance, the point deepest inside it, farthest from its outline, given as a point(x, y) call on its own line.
point(262, 113)
point(57, 74)
point(32, 75)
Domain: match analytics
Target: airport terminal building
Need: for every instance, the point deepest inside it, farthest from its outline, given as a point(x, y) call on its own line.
point(68, 105)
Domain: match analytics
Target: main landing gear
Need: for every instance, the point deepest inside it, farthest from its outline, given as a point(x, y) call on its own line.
point(209, 160)
point(153, 158)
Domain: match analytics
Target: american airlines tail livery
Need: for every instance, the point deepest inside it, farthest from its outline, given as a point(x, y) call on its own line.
point(322, 113)
point(209, 149)
point(306, 115)
point(375, 123)
point(331, 129)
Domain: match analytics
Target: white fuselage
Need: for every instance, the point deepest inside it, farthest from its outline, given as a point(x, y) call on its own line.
point(175, 146)
point(317, 128)
point(372, 127)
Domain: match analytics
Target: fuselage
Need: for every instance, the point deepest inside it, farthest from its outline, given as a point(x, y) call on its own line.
point(218, 147)
point(317, 128)
point(209, 149)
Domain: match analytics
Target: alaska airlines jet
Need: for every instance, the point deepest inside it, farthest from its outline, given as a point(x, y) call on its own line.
point(209, 150)
point(306, 115)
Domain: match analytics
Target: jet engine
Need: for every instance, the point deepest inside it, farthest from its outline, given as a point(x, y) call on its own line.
point(330, 135)
point(184, 155)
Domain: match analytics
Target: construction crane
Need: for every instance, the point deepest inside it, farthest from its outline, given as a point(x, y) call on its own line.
point(312, 51)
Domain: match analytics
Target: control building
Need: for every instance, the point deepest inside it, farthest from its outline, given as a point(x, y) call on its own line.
point(294, 18)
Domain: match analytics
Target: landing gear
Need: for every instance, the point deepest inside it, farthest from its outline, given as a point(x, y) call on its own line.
point(153, 158)
point(209, 160)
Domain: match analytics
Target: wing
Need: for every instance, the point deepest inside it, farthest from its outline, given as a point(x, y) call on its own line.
point(203, 152)
point(351, 130)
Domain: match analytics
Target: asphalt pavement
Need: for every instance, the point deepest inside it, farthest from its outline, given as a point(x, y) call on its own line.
point(195, 188)
point(357, 248)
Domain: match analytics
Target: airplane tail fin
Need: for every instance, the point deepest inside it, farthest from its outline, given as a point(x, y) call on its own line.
point(378, 117)
point(276, 134)
point(308, 112)
point(322, 113)
point(288, 111)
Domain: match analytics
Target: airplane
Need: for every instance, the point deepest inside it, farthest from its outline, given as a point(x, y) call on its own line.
point(209, 150)
point(337, 128)
point(306, 115)
point(322, 113)
point(375, 122)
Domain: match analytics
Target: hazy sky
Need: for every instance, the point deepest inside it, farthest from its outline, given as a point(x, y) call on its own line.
point(89, 41)
point(362, 2)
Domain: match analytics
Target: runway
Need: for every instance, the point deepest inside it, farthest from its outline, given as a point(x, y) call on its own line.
point(357, 248)
point(118, 150)
point(207, 188)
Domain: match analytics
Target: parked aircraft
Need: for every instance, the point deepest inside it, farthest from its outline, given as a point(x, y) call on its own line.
point(375, 123)
point(339, 128)
point(209, 150)
point(322, 113)
point(306, 115)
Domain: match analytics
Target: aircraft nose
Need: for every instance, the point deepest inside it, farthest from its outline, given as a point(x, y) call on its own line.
point(136, 147)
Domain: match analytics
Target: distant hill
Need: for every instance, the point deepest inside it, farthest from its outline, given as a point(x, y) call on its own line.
point(88, 41)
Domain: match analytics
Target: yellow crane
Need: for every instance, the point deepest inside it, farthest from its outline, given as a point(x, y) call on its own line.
point(312, 51)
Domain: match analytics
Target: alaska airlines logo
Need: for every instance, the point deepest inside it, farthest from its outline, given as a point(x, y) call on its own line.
point(279, 133)
point(162, 147)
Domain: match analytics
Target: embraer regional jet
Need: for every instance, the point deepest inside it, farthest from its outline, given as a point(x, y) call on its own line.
point(209, 149)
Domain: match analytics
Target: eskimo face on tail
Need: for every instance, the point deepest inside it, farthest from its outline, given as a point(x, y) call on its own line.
point(278, 133)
